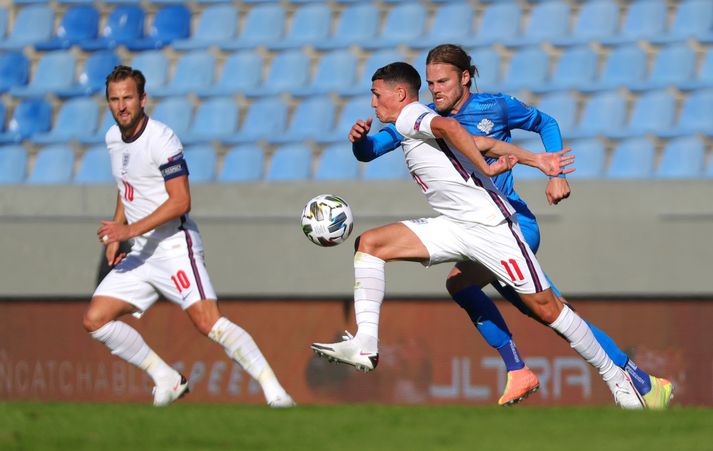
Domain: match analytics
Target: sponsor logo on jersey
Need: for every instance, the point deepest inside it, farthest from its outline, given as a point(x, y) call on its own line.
point(417, 125)
point(486, 125)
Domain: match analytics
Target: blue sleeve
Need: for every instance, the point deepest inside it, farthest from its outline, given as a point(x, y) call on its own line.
point(529, 118)
point(373, 146)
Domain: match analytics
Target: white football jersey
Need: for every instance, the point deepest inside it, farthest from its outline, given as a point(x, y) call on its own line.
point(140, 168)
point(453, 186)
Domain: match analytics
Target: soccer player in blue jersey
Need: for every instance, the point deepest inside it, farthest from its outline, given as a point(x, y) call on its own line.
point(449, 75)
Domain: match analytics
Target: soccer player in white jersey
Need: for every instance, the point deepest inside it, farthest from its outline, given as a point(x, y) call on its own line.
point(475, 223)
point(166, 256)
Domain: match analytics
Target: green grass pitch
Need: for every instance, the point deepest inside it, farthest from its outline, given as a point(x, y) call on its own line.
point(186, 426)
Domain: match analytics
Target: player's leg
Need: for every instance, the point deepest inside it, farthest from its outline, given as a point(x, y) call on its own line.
point(463, 284)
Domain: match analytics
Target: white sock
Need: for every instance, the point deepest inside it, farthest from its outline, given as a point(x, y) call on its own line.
point(125, 342)
point(582, 340)
point(240, 346)
point(368, 295)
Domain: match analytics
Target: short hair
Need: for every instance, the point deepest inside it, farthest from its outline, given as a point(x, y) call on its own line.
point(400, 72)
point(454, 55)
point(121, 73)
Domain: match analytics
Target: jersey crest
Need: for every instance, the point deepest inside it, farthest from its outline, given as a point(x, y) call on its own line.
point(486, 125)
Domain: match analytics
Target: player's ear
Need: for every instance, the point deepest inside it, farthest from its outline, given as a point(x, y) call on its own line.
point(464, 77)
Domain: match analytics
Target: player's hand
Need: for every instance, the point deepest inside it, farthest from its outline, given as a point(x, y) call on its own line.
point(557, 189)
point(555, 163)
point(502, 164)
point(112, 232)
point(359, 130)
point(113, 256)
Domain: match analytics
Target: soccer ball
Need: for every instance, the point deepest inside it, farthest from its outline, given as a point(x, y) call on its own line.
point(327, 220)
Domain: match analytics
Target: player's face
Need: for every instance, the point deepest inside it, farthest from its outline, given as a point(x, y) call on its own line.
point(386, 100)
point(447, 85)
point(126, 105)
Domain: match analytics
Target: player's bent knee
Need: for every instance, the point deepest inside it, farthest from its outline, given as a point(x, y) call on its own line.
point(93, 321)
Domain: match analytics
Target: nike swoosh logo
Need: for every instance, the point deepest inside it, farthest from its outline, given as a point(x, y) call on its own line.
point(365, 353)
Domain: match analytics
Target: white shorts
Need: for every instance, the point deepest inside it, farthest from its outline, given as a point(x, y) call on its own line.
point(177, 272)
point(501, 248)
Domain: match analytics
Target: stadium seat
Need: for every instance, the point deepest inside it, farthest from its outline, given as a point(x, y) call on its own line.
point(29, 117)
point(499, 22)
point(92, 75)
point(528, 67)
point(289, 71)
point(310, 24)
point(94, 167)
point(194, 70)
point(14, 70)
point(176, 112)
point(3, 22)
point(632, 159)
point(13, 164)
point(693, 18)
point(452, 22)
point(624, 65)
point(604, 113)
point(201, 160)
point(54, 71)
point(390, 166)
point(487, 61)
point(562, 106)
point(154, 65)
point(682, 158)
point(170, 23)
point(674, 64)
point(644, 19)
point(335, 70)
point(355, 108)
point(263, 24)
point(98, 137)
point(53, 165)
point(374, 61)
point(266, 117)
point(591, 158)
point(217, 25)
point(215, 119)
point(125, 24)
point(696, 115)
point(404, 23)
point(79, 23)
point(76, 118)
point(596, 20)
point(241, 72)
point(32, 24)
point(242, 164)
point(290, 162)
point(653, 112)
point(313, 117)
point(357, 23)
point(548, 20)
point(576, 67)
point(704, 77)
point(337, 162)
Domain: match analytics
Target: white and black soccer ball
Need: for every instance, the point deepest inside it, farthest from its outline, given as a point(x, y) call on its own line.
point(327, 220)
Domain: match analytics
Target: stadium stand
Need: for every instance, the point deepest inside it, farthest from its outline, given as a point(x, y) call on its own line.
point(13, 164)
point(94, 167)
point(92, 74)
point(170, 23)
point(33, 24)
point(54, 71)
point(14, 70)
point(263, 24)
point(79, 23)
point(29, 117)
point(632, 159)
point(290, 162)
point(337, 163)
point(125, 24)
point(53, 164)
point(242, 163)
point(76, 118)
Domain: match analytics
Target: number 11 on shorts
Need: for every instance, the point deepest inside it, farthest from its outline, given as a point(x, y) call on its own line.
point(512, 263)
point(181, 281)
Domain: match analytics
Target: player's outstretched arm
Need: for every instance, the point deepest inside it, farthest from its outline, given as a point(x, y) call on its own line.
point(551, 163)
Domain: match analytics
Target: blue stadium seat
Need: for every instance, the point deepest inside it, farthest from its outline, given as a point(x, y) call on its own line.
point(263, 24)
point(242, 164)
point(289, 71)
point(32, 24)
point(357, 23)
point(266, 117)
point(704, 77)
point(29, 117)
point(528, 67)
point(215, 119)
point(624, 65)
point(124, 24)
point(453, 22)
point(98, 137)
point(79, 23)
point(193, 71)
point(390, 166)
point(576, 67)
point(94, 167)
point(632, 159)
point(13, 164)
point(562, 106)
point(154, 65)
point(14, 70)
point(404, 23)
point(488, 62)
point(696, 114)
point(290, 162)
point(682, 158)
point(693, 18)
point(604, 113)
point(3, 22)
point(92, 75)
point(674, 64)
point(176, 112)
point(53, 165)
point(591, 158)
point(644, 19)
point(499, 22)
point(374, 61)
point(54, 71)
point(337, 162)
point(312, 118)
point(356, 108)
point(549, 20)
point(76, 118)
point(3, 115)
point(217, 25)
point(241, 72)
point(201, 160)
point(310, 24)
point(653, 112)
point(170, 23)
point(596, 20)
point(335, 70)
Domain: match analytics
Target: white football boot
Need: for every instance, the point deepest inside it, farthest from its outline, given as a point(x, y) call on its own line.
point(165, 394)
point(625, 394)
point(282, 402)
point(348, 351)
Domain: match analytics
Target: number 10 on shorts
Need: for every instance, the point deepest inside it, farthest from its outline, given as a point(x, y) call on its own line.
point(181, 281)
point(509, 266)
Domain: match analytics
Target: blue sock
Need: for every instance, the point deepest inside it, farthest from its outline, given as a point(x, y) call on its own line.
point(639, 377)
point(490, 323)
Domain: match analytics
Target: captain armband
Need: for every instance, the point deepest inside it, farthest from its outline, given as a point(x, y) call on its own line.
point(175, 167)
